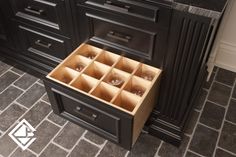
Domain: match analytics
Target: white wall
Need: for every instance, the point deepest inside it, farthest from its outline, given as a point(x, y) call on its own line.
point(226, 47)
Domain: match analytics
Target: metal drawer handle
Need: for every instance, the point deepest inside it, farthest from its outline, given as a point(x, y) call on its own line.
point(92, 117)
point(114, 6)
point(45, 45)
point(119, 36)
point(34, 11)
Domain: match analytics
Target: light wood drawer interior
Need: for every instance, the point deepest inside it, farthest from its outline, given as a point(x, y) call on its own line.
point(125, 84)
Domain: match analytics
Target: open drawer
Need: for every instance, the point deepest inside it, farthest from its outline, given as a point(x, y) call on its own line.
point(108, 94)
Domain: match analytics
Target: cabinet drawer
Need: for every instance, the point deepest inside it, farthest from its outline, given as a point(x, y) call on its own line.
point(49, 13)
point(153, 13)
point(107, 93)
point(42, 46)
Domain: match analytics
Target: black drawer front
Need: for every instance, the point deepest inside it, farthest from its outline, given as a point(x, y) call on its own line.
point(50, 13)
point(86, 112)
point(133, 8)
point(138, 42)
point(45, 46)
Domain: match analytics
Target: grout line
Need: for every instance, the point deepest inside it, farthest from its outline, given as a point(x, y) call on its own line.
point(32, 152)
point(195, 153)
point(65, 149)
point(127, 153)
point(224, 119)
point(46, 102)
point(23, 90)
point(233, 98)
point(52, 121)
point(87, 140)
point(20, 105)
point(199, 116)
point(230, 122)
point(223, 84)
point(17, 69)
point(101, 148)
point(217, 104)
point(13, 152)
point(226, 151)
point(4, 72)
point(209, 127)
point(158, 149)
point(15, 72)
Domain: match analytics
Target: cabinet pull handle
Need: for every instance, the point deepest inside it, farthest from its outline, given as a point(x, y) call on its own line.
point(45, 45)
point(34, 11)
point(119, 36)
point(114, 6)
point(92, 116)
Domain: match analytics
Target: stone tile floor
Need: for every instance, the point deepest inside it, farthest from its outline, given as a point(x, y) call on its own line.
point(211, 131)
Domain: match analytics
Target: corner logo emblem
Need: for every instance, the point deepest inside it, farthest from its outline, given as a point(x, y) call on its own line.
point(23, 134)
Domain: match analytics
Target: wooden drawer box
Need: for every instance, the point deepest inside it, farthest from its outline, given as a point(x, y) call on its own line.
point(108, 94)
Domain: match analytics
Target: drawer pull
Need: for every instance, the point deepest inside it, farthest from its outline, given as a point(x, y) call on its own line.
point(45, 45)
point(91, 116)
point(34, 11)
point(114, 6)
point(119, 36)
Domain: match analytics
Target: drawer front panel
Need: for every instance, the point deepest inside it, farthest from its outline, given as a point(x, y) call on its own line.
point(133, 8)
point(50, 13)
point(45, 46)
point(94, 116)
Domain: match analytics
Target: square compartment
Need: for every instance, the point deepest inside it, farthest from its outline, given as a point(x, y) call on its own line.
point(64, 74)
point(116, 78)
point(78, 63)
point(107, 58)
point(84, 83)
point(146, 72)
point(89, 51)
point(127, 65)
point(126, 101)
point(105, 91)
point(97, 70)
point(137, 86)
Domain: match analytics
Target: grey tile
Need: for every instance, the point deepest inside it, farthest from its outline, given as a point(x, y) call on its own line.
point(44, 133)
point(204, 141)
point(212, 115)
point(7, 79)
point(10, 115)
point(226, 77)
point(22, 153)
point(219, 94)
point(45, 98)
point(31, 95)
point(57, 119)
point(167, 150)
point(112, 150)
point(4, 67)
point(8, 96)
point(201, 99)
point(189, 154)
point(231, 113)
point(192, 122)
point(25, 81)
point(41, 81)
point(94, 138)
point(17, 70)
point(84, 149)
point(146, 146)
point(69, 135)
point(221, 153)
point(228, 137)
point(53, 151)
point(37, 113)
point(7, 145)
point(207, 84)
point(234, 93)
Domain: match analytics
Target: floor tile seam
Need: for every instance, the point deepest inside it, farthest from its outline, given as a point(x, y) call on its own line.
point(91, 142)
point(217, 104)
point(224, 119)
point(13, 152)
point(15, 72)
point(191, 151)
point(60, 129)
point(52, 121)
point(7, 70)
point(98, 153)
point(18, 69)
point(158, 149)
point(209, 127)
point(215, 81)
point(58, 145)
point(17, 121)
point(226, 150)
point(228, 121)
point(200, 114)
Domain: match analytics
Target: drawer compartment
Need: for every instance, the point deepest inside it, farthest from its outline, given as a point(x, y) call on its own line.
point(50, 13)
point(135, 9)
point(109, 94)
point(45, 47)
